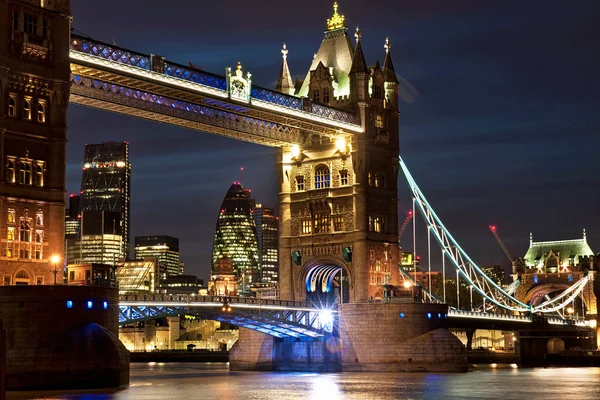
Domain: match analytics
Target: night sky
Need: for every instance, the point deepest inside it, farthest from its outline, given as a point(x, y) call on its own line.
point(500, 121)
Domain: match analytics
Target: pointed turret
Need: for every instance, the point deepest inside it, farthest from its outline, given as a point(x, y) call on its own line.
point(359, 73)
point(388, 66)
point(285, 84)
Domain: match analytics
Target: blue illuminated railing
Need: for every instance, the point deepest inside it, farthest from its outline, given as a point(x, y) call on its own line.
point(123, 56)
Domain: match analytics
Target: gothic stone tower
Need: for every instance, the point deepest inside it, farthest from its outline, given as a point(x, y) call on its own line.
point(338, 201)
point(34, 93)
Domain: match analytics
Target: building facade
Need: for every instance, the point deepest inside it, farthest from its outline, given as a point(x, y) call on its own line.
point(138, 276)
point(267, 236)
point(100, 240)
point(163, 248)
point(106, 183)
point(72, 230)
point(235, 237)
point(34, 92)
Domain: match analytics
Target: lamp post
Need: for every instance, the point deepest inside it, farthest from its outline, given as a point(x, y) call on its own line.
point(54, 260)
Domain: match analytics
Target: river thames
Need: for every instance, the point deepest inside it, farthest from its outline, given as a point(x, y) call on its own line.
point(214, 381)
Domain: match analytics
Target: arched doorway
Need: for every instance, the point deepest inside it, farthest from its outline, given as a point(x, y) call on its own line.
point(22, 278)
point(327, 283)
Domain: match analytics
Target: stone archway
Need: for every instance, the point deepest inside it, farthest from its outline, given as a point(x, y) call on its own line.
point(23, 277)
point(325, 281)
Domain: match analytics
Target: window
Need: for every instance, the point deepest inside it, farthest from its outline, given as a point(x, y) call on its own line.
point(30, 25)
point(11, 216)
point(15, 20)
point(376, 180)
point(377, 224)
point(27, 108)
point(41, 111)
point(39, 236)
point(10, 234)
point(306, 227)
point(39, 280)
point(12, 105)
point(378, 121)
point(322, 223)
point(10, 170)
point(338, 223)
point(39, 174)
point(322, 177)
point(326, 95)
point(25, 231)
point(38, 252)
point(25, 173)
point(24, 251)
point(45, 28)
point(9, 251)
point(377, 91)
point(300, 183)
point(39, 218)
point(71, 275)
point(370, 223)
point(344, 178)
point(315, 95)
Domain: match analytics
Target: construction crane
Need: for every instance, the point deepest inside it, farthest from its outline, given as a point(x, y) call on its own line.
point(501, 243)
point(404, 225)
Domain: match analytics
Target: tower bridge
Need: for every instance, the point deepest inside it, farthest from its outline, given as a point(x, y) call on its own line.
point(337, 144)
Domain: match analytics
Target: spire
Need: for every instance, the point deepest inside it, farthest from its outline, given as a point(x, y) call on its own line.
point(388, 66)
point(359, 65)
point(285, 84)
point(530, 239)
point(336, 21)
point(584, 234)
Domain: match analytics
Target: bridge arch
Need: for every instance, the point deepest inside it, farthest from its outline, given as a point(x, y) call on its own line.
point(537, 294)
point(319, 280)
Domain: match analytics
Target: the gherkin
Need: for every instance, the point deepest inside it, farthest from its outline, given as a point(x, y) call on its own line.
point(235, 236)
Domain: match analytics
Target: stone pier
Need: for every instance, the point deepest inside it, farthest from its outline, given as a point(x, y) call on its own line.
point(370, 337)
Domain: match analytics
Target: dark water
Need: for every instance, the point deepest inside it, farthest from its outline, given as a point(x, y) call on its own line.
point(174, 381)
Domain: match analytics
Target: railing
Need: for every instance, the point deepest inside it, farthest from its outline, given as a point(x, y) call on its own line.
point(123, 56)
point(484, 315)
point(184, 299)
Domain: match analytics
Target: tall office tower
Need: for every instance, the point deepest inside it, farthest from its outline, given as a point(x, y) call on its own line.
point(267, 234)
point(235, 237)
point(106, 183)
point(163, 248)
point(72, 229)
point(101, 240)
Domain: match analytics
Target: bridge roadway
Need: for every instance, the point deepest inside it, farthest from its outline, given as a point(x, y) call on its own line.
point(297, 320)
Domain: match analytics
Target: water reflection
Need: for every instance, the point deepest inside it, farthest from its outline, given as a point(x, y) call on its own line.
point(214, 381)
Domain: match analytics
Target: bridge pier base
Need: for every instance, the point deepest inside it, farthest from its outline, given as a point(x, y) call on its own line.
point(370, 337)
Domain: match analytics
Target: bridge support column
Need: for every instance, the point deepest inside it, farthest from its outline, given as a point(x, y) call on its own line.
point(470, 332)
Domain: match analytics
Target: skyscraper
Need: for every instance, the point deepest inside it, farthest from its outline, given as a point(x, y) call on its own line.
point(235, 236)
point(163, 248)
point(100, 239)
point(106, 183)
point(72, 229)
point(267, 235)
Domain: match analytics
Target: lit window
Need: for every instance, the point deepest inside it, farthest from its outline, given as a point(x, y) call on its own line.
point(25, 231)
point(12, 106)
point(322, 223)
point(30, 25)
point(370, 179)
point(25, 173)
point(306, 228)
point(39, 174)
point(370, 223)
point(10, 170)
point(376, 180)
point(39, 236)
point(38, 252)
point(299, 183)
point(377, 91)
point(41, 111)
point(27, 108)
point(39, 218)
point(11, 216)
point(9, 250)
point(326, 95)
point(10, 234)
point(338, 223)
point(322, 177)
point(315, 95)
point(377, 224)
point(379, 121)
point(343, 178)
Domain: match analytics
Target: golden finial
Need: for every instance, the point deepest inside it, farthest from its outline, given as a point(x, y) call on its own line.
point(284, 51)
point(337, 20)
point(238, 71)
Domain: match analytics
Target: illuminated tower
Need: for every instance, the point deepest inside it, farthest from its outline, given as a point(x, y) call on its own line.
point(164, 248)
point(106, 183)
point(267, 233)
point(235, 237)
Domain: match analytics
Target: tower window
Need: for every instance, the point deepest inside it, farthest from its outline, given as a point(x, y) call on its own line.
point(30, 24)
point(10, 170)
point(24, 250)
point(376, 180)
point(322, 177)
point(38, 253)
point(306, 228)
point(315, 96)
point(45, 28)
point(370, 179)
point(338, 223)
point(377, 91)
point(300, 183)
point(326, 95)
point(27, 108)
point(344, 178)
point(39, 218)
point(39, 174)
point(10, 234)
point(25, 231)
point(12, 106)
point(9, 252)
point(322, 223)
point(41, 111)
point(11, 216)
point(39, 236)
point(25, 173)
point(379, 121)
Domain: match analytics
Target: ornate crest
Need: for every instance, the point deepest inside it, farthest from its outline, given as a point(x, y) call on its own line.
point(337, 20)
point(237, 85)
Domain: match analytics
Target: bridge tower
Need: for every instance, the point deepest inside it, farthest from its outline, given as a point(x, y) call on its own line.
point(34, 94)
point(338, 200)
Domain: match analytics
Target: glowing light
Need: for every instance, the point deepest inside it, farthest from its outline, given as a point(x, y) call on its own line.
point(429, 315)
point(514, 366)
point(407, 284)
point(494, 365)
point(90, 304)
point(401, 315)
point(593, 323)
point(326, 320)
point(69, 304)
point(570, 310)
point(55, 259)
point(340, 144)
point(105, 304)
point(295, 151)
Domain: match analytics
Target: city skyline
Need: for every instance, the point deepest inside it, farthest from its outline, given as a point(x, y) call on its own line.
point(519, 109)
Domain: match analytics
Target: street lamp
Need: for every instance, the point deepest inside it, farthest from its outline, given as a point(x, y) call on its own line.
point(54, 260)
